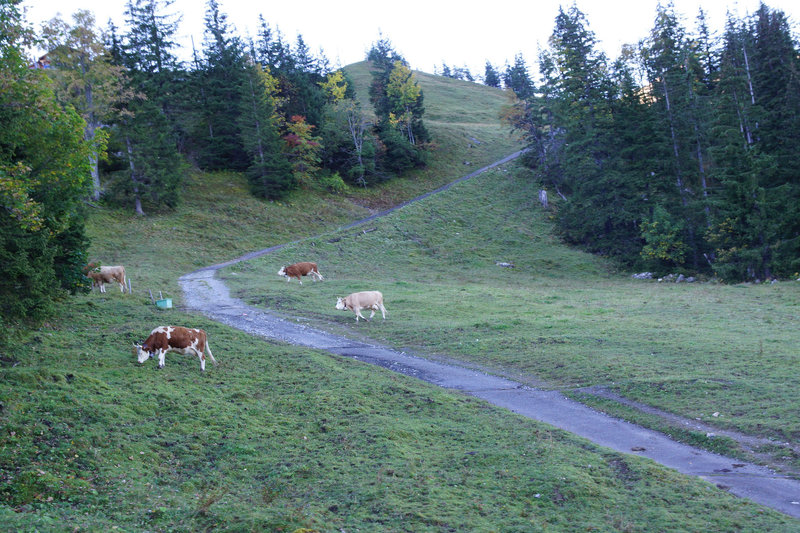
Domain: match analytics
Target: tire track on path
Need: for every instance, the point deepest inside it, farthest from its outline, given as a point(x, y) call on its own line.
point(204, 293)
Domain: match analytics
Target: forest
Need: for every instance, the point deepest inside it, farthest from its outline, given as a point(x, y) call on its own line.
point(681, 154)
point(678, 156)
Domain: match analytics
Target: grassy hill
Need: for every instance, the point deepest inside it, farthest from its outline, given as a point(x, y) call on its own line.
point(278, 438)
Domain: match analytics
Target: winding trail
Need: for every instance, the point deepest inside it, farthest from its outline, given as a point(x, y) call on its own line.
point(205, 293)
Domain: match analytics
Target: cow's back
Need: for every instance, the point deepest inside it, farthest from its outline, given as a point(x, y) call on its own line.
point(364, 299)
point(177, 337)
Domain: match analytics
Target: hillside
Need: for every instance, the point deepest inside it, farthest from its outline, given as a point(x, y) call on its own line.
point(463, 120)
point(278, 438)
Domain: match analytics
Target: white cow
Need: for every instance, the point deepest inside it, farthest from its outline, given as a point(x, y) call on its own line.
point(107, 274)
point(372, 300)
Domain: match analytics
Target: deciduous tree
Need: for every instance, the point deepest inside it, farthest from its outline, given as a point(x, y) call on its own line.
point(85, 77)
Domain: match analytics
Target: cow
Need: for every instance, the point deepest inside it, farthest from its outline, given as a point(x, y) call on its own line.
point(299, 270)
point(165, 339)
point(107, 274)
point(372, 300)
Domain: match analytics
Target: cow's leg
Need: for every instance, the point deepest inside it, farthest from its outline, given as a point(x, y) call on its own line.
point(372, 312)
point(102, 287)
point(383, 311)
point(162, 356)
point(202, 357)
point(358, 313)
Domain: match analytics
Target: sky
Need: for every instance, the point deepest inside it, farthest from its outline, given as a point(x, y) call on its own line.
point(427, 33)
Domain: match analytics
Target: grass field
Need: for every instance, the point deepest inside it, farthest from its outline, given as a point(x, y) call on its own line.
point(280, 438)
point(723, 354)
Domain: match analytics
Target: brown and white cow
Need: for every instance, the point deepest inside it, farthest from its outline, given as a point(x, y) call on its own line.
point(299, 270)
point(372, 300)
point(165, 339)
point(107, 274)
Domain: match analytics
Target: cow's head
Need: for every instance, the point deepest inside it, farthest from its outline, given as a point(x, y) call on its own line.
point(340, 304)
point(282, 271)
point(141, 354)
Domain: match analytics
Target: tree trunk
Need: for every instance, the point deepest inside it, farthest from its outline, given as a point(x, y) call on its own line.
point(357, 127)
point(678, 172)
point(136, 196)
point(91, 126)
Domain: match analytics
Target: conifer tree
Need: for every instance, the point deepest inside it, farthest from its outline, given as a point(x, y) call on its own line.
point(402, 149)
point(517, 78)
point(269, 173)
point(220, 77)
point(490, 76)
point(148, 127)
point(755, 230)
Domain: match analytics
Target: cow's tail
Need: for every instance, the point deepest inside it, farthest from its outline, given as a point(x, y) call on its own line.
point(208, 349)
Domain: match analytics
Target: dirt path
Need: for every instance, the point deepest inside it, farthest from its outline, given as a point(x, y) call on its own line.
point(205, 293)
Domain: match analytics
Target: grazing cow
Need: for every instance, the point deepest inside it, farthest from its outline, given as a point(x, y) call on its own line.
point(299, 270)
point(372, 300)
point(107, 274)
point(165, 339)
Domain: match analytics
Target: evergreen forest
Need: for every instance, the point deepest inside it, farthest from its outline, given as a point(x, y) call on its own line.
point(681, 154)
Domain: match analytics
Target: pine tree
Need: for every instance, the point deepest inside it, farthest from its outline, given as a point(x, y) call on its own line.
point(755, 232)
point(148, 127)
point(490, 76)
point(670, 62)
point(219, 82)
point(401, 148)
point(576, 146)
point(517, 79)
point(269, 173)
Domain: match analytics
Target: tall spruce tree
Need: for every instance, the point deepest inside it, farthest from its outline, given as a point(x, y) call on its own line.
point(517, 78)
point(148, 128)
point(755, 233)
point(579, 90)
point(490, 76)
point(269, 173)
point(669, 62)
point(219, 82)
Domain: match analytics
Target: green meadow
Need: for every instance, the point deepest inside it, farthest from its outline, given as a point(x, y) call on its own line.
point(558, 318)
point(283, 438)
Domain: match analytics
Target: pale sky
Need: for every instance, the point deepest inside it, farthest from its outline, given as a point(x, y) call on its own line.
point(427, 33)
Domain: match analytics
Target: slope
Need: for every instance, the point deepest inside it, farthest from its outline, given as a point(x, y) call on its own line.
point(281, 438)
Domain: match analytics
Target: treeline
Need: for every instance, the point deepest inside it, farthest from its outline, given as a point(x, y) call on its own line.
point(682, 153)
point(120, 103)
point(514, 77)
point(274, 111)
